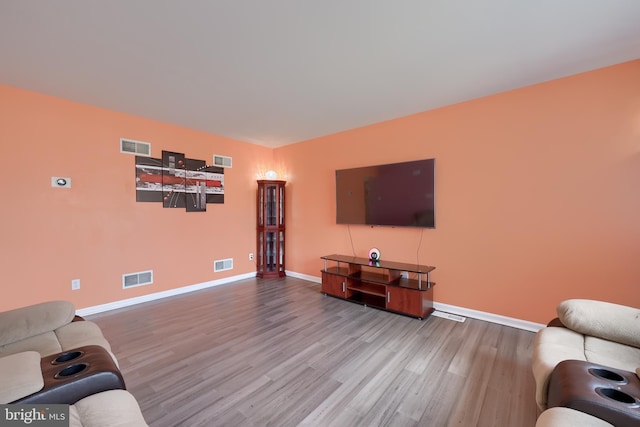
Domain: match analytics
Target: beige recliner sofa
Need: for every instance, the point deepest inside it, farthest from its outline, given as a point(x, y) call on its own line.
point(586, 330)
point(33, 338)
point(566, 417)
point(22, 376)
point(47, 328)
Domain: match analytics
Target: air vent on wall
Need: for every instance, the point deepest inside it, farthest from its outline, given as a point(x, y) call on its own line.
point(223, 264)
point(222, 161)
point(137, 279)
point(135, 147)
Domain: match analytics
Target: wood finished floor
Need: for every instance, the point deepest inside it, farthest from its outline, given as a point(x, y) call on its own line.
point(276, 352)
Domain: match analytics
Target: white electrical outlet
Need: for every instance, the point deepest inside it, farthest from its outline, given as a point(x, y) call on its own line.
point(251, 256)
point(75, 284)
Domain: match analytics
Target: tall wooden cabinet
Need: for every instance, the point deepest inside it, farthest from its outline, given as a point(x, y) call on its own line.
point(270, 231)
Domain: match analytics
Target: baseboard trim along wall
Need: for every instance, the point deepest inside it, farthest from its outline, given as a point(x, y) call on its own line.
point(445, 308)
point(159, 295)
point(306, 277)
point(489, 317)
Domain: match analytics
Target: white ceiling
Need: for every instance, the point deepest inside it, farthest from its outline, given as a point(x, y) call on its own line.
point(275, 72)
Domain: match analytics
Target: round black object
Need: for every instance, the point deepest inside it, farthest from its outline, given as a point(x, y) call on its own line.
point(617, 395)
point(374, 255)
point(65, 357)
point(71, 370)
point(608, 375)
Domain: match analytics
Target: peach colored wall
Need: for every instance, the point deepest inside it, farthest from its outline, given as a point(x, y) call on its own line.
point(537, 195)
point(96, 231)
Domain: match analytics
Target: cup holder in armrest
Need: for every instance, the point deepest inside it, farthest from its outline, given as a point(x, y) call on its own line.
point(610, 394)
point(67, 357)
point(75, 374)
point(618, 396)
point(608, 375)
point(71, 370)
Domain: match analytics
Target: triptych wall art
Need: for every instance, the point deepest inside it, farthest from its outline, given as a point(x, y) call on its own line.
point(178, 182)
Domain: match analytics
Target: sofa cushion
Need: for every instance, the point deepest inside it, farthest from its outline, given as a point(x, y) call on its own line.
point(45, 344)
point(21, 323)
point(600, 319)
point(613, 354)
point(67, 337)
point(80, 334)
point(566, 417)
point(21, 376)
point(552, 346)
point(113, 408)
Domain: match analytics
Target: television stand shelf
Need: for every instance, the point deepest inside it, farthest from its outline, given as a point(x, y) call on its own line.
point(379, 284)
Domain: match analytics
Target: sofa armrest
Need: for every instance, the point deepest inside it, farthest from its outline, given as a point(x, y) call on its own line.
point(601, 319)
point(555, 323)
point(21, 323)
point(21, 376)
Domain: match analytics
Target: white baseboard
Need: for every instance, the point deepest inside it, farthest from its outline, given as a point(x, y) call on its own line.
point(446, 308)
point(306, 277)
point(159, 295)
point(489, 317)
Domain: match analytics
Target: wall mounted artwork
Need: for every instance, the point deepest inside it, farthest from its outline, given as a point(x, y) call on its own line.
point(178, 182)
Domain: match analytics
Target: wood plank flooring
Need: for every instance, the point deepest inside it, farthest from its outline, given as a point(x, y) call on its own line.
point(276, 352)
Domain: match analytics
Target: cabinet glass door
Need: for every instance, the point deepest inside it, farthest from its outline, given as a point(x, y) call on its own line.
point(281, 205)
point(281, 252)
point(260, 206)
point(260, 253)
point(270, 264)
point(271, 205)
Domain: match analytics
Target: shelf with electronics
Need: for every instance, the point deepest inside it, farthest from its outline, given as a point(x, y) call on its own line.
point(380, 284)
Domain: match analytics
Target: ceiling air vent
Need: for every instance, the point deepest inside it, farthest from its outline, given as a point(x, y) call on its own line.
point(137, 279)
point(223, 264)
point(222, 161)
point(135, 147)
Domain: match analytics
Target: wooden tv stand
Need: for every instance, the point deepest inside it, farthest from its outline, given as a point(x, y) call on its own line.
point(379, 284)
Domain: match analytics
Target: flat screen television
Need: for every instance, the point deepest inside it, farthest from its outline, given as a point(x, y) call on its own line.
point(396, 194)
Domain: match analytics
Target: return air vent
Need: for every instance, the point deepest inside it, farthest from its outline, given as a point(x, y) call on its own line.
point(137, 279)
point(135, 147)
point(223, 264)
point(222, 161)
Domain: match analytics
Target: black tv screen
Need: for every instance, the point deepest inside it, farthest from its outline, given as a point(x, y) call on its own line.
point(397, 194)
